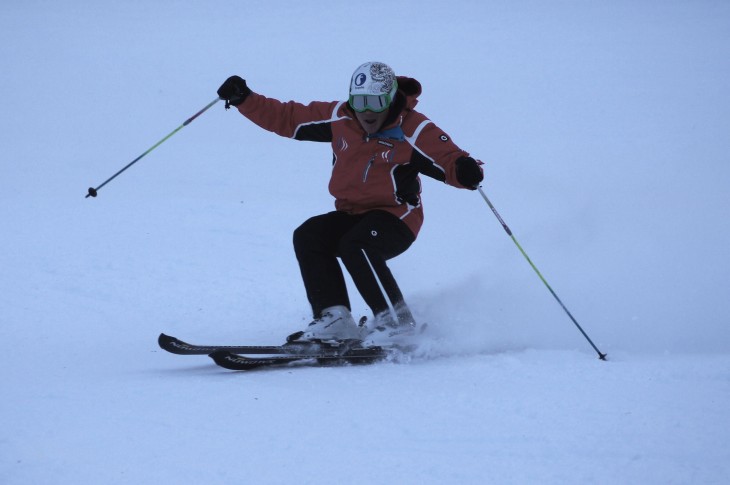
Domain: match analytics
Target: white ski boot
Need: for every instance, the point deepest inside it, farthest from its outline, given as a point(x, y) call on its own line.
point(335, 324)
point(386, 331)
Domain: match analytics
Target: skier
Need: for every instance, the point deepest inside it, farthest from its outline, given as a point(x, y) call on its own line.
point(380, 145)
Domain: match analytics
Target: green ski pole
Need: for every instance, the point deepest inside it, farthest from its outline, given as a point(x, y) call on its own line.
point(93, 192)
point(601, 355)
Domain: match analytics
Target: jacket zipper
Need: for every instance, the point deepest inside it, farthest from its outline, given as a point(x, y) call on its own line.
point(367, 169)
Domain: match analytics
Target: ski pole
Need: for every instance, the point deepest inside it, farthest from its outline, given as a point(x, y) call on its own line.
point(601, 355)
point(93, 191)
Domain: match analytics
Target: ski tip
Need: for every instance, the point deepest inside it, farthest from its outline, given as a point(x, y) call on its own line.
point(174, 345)
point(219, 356)
point(163, 340)
point(222, 356)
point(231, 361)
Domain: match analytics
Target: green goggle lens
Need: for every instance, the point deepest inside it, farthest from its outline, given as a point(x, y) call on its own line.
point(370, 102)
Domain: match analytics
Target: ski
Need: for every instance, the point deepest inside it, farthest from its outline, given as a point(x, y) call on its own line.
point(233, 361)
point(177, 346)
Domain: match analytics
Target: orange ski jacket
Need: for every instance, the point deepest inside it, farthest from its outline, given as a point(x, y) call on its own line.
point(376, 172)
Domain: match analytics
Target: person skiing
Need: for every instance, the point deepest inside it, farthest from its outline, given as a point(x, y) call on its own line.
point(380, 145)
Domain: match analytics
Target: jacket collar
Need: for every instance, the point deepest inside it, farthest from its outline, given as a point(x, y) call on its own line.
point(392, 133)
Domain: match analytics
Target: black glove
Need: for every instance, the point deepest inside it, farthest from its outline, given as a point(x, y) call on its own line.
point(234, 91)
point(469, 173)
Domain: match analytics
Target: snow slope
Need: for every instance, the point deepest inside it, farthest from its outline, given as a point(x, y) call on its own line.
point(603, 126)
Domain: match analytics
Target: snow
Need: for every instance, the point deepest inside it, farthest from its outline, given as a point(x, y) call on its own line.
point(604, 129)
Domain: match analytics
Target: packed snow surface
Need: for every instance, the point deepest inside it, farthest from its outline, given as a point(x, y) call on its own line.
point(604, 131)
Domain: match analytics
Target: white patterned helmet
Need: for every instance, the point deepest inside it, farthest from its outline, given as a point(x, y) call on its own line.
point(372, 87)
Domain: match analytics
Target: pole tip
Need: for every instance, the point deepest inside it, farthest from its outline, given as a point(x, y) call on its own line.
point(92, 192)
point(602, 356)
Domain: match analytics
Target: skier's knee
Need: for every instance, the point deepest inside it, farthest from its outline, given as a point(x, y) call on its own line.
point(350, 246)
point(303, 237)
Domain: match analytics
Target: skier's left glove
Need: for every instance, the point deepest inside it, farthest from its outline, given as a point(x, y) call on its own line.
point(234, 91)
point(469, 173)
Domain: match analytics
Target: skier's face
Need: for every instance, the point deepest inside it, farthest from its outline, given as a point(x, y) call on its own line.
point(371, 122)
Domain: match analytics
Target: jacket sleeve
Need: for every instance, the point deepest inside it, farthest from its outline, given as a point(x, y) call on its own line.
point(434, 153)
point(312, 122)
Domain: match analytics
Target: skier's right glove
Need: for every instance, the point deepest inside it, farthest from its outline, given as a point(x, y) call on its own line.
point(234, 91)
point(469, 173)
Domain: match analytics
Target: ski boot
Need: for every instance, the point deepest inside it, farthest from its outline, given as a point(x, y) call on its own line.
point(334, 325)
point(386, 331)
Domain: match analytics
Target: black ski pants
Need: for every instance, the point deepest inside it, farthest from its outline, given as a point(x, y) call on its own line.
point(364, 242)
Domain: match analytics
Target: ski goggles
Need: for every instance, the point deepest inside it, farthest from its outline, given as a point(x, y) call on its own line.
point(370, 102)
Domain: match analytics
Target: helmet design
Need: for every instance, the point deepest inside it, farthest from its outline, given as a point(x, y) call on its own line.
point(373, 86)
